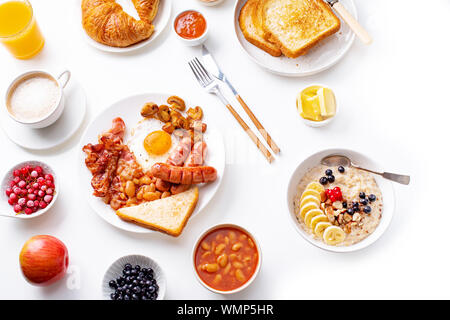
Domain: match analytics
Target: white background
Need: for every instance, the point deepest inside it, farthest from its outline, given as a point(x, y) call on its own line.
point(394, 108)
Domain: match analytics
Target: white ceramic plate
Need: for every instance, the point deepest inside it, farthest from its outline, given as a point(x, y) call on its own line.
point(115, 271)
point(56, 134)
point(160, 22)
point(327, 53)
point(129, 110)
point(385, 186)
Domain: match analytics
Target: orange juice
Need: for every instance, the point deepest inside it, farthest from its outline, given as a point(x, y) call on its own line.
point(19, 31)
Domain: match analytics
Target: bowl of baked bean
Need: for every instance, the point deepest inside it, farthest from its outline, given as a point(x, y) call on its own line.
point(226, 259)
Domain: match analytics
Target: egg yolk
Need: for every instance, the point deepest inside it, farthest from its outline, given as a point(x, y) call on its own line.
point(157, 142)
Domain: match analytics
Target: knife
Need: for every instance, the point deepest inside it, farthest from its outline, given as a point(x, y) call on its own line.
point(213, 68)
point(351, 21)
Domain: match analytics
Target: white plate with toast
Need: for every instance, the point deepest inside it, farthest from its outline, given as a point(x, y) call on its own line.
point(161, 20)
point(129, 110)
point(320, 57)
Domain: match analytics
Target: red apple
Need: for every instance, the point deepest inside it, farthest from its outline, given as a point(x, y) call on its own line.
point(43, 260)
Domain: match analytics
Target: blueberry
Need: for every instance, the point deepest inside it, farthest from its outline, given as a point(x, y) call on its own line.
point(362, 195)
point(127, 292)
point(134, 297)
point(144, 271)
point(323, 180)
point(151, 289)
point(119, 298)
point(135, 282)
point(344, 204)
point(328, 172)
point(126, 297)
point(137, 289)
point(127, 266)
point(331, 179)
point(148, 283)
point(113, 296)
point(350, 211)
point(341, 169)
point(364, 202)
point(137, 268)
point(113, 284)
point(372, 198)
point(367, 209)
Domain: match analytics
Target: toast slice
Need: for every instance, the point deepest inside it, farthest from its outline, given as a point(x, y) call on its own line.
point(297, 25)
point(250, 21)
point(168, 215)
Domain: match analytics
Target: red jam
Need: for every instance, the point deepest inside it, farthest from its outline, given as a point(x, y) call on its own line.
point(190, 25)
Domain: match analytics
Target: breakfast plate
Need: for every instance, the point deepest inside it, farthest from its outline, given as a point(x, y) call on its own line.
point(161, 20)
point(323, 56)
point(56, 134)
point(386, 192)
point(129, 110)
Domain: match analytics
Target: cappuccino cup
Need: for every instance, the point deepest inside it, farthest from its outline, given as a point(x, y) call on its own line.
point(35, 98)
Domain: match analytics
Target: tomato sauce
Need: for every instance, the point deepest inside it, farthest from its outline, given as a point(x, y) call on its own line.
point(190, 24)
point(226, 258)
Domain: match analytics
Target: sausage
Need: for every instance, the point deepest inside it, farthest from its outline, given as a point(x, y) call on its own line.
point(176, 158)
point(195, 159)
point(183, 175)
point(180, 153)
point(198, 155)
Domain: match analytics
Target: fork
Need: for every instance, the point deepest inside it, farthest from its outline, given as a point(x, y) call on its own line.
point(206, 81)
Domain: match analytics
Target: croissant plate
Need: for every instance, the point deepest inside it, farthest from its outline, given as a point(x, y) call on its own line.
point(107, 23)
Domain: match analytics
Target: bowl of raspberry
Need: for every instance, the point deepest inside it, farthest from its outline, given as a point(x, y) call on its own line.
point(28, 190)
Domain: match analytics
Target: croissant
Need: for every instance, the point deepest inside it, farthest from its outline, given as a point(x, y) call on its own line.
point(107, 23)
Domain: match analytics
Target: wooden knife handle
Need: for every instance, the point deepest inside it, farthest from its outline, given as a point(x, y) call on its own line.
point(258, 125)
point(252, 136)
point(353, 24)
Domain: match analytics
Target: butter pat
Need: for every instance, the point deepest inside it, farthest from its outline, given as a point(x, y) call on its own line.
point(316, 103)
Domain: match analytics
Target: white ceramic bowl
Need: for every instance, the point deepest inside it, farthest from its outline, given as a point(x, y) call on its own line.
point(7, 209)
point(210, 3)
point(318, 124)
point(385, 186)
point(245, 285)
point(191, 42)
point(115, 271)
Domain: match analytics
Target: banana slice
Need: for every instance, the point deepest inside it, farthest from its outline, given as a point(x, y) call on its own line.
point(310, 192)
point(310, 199)
point(317, 219)
point(310, 215)
point(307, 207)
point(333, 235)
point(315, 186)
point(320, 228)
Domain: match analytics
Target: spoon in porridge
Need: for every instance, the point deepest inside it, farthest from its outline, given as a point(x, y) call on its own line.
point(340, 160)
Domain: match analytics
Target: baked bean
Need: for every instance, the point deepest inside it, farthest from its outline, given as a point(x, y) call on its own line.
point(222, 260)
point(130, 189)
point(239, 275)
point(165, 194)
point(206, 254)
point(219, 249)
point(205, 246)
point(250, 243)
point(232, 235)
point(151, 196)
point(233, 256)
point(217, 278)
point(237, 265)
point(136, 181)
point(145, 180)
point(227, 240)
point(242, 237)
point(236, 246)
point(227, 269)
point(211, 267)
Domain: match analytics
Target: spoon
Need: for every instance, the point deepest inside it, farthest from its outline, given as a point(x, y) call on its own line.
point(340, 160)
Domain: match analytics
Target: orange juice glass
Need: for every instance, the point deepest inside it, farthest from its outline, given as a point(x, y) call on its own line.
point(19, 31)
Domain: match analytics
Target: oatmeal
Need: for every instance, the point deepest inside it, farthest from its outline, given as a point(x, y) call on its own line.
point(340, 206)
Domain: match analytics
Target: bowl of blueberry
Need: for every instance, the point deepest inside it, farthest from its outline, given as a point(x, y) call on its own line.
point(134, 277)
point(28, 190)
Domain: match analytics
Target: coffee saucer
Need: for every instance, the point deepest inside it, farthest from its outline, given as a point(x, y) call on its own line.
point(56, 134)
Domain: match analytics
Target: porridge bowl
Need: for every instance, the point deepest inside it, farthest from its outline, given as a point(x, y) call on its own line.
point(339, 209)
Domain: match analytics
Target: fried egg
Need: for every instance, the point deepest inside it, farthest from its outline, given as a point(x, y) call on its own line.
point(150, 144)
